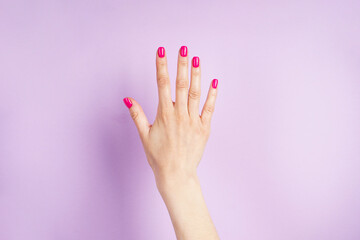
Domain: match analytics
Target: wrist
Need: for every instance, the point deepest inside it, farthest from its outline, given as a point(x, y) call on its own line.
point(169, 182)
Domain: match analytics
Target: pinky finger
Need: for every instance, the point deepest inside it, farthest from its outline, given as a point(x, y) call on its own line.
point(209, 105)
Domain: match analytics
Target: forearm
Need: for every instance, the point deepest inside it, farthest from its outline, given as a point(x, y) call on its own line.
point(187, 208)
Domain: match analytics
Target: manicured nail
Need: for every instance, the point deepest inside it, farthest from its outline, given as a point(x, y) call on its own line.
point(195, 62)
point(214, 83)
point(127, 102)
point(161, 52)
point(183, 51)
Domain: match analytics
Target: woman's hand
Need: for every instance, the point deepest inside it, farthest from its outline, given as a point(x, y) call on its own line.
point(175, 143)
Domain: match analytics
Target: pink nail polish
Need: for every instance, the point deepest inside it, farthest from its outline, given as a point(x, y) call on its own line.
point(183, 51)
point(195, 62)
point(161, 52)
point(214, 83)
point(127, 102)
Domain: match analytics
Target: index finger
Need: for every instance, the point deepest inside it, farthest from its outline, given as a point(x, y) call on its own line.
point(163, 80)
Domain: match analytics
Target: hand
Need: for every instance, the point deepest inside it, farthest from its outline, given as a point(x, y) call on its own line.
point(175, 142)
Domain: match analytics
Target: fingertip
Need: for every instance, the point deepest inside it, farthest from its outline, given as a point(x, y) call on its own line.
point(138, 116)
point(196, 62)
point(128, 102)
point(183, 51)
point(214, 83)
point(161, 52)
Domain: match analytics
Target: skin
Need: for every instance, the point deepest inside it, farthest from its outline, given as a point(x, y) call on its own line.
point(174, 145)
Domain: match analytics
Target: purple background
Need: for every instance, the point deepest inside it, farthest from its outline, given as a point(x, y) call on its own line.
point(283, 159)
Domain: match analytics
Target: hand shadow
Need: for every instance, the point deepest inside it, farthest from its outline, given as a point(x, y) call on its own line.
point(125, 177)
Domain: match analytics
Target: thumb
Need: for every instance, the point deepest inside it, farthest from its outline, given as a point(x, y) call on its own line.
point(138, 116)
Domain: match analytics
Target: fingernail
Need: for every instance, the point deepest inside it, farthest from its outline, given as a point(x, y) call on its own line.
point(214, 83)
point(183, 51)
point(161, 52)
point(127, 102)
point(195, 62)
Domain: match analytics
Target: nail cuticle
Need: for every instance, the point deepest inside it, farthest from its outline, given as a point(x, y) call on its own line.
point(128, 102)
point(161, 52)
point(196, 62)
point(183, 51)
point(214, 83)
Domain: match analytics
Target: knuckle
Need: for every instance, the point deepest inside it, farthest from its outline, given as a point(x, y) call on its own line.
point(161, 63)
point(209, 109)
point(183, 63)
point(182, 84)
point(134, 115)
point(164, 116)
point(181, 118)
point(163, 80)
point(212, 93)
point(196, 73)
point(194, 94)
point(198, 130)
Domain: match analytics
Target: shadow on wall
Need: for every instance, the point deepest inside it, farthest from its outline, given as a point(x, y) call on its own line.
point(6, 158)
point(2, 150)
point(120, 176)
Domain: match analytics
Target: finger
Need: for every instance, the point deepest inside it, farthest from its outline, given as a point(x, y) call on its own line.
point(195, 90)
point(209, 105)
point(182, 81)
point(138, 116)
point(163, 81)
